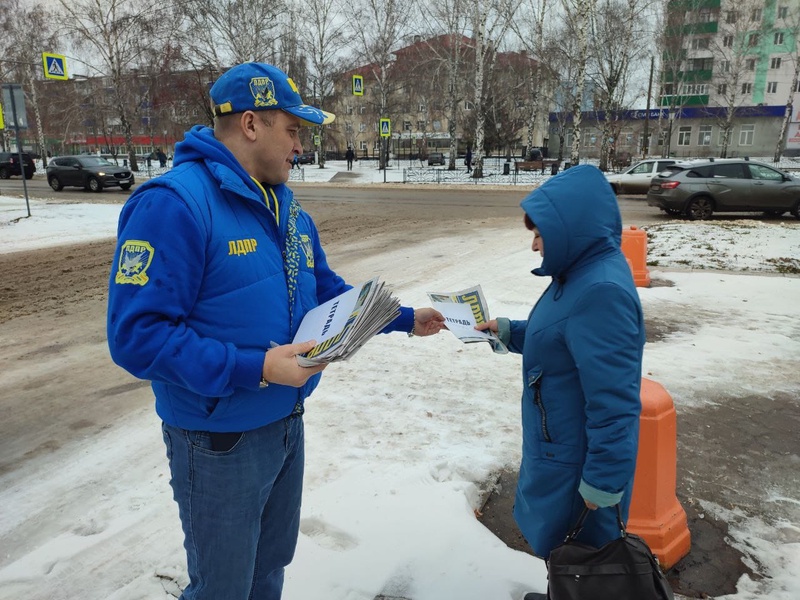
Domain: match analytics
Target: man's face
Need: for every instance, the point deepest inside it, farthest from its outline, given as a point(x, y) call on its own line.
point(276, 145)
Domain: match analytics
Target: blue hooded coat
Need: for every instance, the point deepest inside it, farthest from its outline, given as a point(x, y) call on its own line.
point(581, 352)
point(211, 267)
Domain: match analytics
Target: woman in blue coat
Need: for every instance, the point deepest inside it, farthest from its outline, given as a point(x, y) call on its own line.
point(581, 352)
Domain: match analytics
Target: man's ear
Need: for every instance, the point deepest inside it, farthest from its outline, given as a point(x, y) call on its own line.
point(247, 123)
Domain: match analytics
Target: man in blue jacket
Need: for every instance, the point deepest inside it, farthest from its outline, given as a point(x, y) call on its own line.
point(581, 352)
point(215, 267)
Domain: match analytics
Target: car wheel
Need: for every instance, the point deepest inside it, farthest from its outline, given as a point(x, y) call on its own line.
point(4, 174)
point(773, 213)
point(55, 183)
point(699, 207)
point(615, 188)
point(28, 176)
point(125, 186)
point(94, 185)
point(796, 211)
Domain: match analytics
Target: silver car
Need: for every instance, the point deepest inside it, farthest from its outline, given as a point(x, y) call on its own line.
point(697, 189)
point(636, 179)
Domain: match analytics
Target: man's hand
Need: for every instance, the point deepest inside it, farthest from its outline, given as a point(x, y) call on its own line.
point(427, 321)
point(280, 365)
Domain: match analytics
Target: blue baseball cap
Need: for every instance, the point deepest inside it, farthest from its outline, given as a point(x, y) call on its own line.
point(259, 86)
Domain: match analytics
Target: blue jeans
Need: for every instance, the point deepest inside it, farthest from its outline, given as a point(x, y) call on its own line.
point(240, 508)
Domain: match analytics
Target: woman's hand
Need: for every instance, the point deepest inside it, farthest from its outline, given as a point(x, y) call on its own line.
point(490, 325)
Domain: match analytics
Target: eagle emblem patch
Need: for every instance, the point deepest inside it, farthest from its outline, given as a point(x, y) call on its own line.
point(308, 250)
point(134, 259)
point(263, 91)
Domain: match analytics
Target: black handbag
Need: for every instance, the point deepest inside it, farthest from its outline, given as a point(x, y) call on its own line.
point(623, 569)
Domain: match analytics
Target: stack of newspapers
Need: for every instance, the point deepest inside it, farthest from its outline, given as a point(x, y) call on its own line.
point(342, 325)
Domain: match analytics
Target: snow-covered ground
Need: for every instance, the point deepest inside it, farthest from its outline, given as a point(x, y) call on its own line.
point(399, 437)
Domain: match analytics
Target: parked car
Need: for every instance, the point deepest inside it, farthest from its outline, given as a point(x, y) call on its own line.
point(435, 158)
point(636, 180)
point(90, 172)
point(697, 189)
point(9, 165)
point(307, 158)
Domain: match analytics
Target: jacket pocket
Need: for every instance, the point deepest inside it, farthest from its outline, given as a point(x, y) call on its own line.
point(534, 381)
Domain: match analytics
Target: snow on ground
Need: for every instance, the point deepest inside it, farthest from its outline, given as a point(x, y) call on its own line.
point(400, 437)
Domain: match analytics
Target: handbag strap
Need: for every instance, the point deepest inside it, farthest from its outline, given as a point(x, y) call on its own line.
point(578, 527)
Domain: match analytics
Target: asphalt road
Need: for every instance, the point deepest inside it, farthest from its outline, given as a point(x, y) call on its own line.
point(468, 201)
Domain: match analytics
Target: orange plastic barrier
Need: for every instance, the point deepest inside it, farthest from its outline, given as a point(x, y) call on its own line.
point(655, 513)
point(634, 247)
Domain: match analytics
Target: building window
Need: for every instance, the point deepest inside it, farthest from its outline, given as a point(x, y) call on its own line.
point(421, 107)
point(730, 17)
point(437, 125)
point(746, 135)
point(752, 40)
point(421, 125)
point(362, 145)
point(704, 135)
point(724, 66)
point(782, 12)
point(695, 89)
point(700, 43)
point(747, 88)
point(775, 63)
point(406, 125)
point(349, 109)
point(755, 15)
point(468, 105)
point(722, 89)
point(362, 110)
point(750, 64)
point(705, 16)
point(727, 41)
point(685, 135)
point(348, 127)
point(778, 39)
point(772, 87)
point(362, 127)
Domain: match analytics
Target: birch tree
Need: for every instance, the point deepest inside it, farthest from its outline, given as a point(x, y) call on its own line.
point(378, 26)
point(491, 21)
point(580, 14)
point(322, 34)
point(450, 18)
point(27, 35)
point(117, 35)
point(735, 49)
point(530, 29)
point(617, 41)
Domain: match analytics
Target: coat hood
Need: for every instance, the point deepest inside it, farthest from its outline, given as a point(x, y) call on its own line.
point(199, 144)
point(578, 218)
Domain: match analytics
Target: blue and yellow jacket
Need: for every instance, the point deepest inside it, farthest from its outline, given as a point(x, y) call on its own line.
point(204, 281)
point(581, 352)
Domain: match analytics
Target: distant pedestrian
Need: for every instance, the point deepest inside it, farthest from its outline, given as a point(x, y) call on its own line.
point(468, 160)
point(162, 158)
point(350, 155)
point(296, 161)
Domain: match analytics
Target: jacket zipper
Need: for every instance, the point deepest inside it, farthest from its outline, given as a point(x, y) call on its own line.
point(537, 399)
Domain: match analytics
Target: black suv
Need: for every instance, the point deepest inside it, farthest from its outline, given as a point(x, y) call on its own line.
point(90, 172)
point(9, 165)
point(697, 189)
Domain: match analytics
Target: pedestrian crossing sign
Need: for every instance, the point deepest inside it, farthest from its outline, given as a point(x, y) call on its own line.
point(55, 66)
point(358, 85)
point(386, 128)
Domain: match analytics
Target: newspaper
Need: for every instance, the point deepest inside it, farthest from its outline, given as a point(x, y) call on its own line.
point(342, 325)
point(463, 310)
